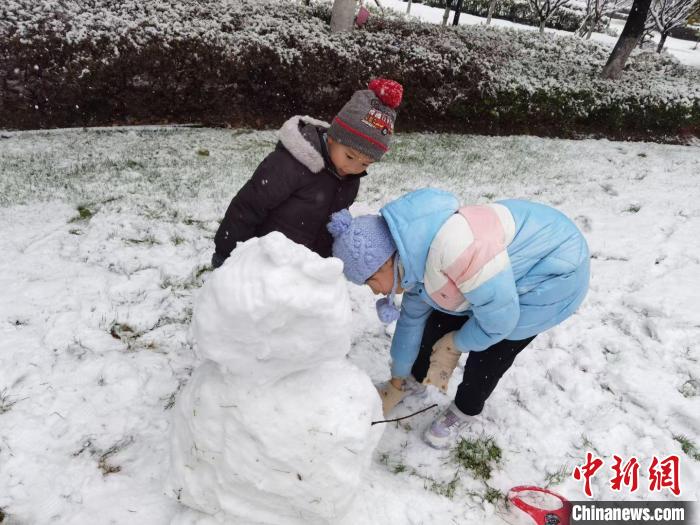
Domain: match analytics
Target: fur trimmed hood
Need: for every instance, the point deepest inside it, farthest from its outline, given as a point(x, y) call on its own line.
point(298, 135)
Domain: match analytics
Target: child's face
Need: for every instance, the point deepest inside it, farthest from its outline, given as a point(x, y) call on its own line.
point(382, 280)
point(347, 161)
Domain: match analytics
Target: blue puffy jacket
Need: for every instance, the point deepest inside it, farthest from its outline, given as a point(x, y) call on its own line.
point(515, 267)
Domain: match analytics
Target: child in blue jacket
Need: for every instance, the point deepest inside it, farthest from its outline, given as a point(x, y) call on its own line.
point(480, 279)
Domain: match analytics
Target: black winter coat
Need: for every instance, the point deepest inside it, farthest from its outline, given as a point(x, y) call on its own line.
point(293, 191)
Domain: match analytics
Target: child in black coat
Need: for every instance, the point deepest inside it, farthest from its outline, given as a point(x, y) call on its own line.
point(314, 171)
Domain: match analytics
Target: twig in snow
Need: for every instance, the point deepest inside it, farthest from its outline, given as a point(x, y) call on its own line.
point(404, 417)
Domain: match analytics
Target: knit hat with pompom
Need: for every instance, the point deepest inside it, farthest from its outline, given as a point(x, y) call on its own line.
point(364, 244)
point(366, 122)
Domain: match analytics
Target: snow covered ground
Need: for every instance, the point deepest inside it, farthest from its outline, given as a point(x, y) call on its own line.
point(106, 238)
point(685, 51)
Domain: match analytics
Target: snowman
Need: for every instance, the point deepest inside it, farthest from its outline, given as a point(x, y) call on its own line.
point(274, 426)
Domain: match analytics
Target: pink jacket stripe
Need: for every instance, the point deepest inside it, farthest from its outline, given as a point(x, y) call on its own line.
point(469, 249)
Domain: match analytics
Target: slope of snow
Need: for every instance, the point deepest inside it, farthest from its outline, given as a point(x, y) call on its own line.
point(106, 239)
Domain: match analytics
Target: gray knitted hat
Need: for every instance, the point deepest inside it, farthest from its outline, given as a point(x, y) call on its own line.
point(366, 122)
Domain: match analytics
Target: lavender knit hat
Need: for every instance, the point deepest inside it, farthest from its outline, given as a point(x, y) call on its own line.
point(364, 244)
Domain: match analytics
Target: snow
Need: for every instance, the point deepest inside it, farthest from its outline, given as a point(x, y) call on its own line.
point(687, 52)
point(96, 309)
point(275, 426)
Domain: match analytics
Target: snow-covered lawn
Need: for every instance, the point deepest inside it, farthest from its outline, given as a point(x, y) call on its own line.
point(685, 51)
point(106, 237)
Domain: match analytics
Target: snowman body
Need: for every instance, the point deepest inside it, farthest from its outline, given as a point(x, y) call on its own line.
point(274, 426)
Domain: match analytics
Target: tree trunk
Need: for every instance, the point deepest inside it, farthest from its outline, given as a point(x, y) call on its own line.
point(408, 9)
point(581, 31)
point(632, 32)
point(458, 10)
point(542, 23)
point(446, 14)
point(660, 47)
point(492, 7)
point(343, 15)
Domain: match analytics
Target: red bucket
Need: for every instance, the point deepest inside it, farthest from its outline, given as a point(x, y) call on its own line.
point(541, 515)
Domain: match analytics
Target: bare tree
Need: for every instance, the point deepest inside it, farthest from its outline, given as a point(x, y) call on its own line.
point(458, 11)
point(408, 7)
point(596, 10)
point(446, 14)
point(492, 7)
point(544, 9)
point(631, 33)
point(665, 15)
point(343, 15)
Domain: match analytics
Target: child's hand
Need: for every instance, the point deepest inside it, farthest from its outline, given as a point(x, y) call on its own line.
point(443, 361)
point(396, 390)
point(392, 393)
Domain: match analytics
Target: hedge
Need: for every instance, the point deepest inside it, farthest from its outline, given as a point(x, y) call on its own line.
point(256, 62)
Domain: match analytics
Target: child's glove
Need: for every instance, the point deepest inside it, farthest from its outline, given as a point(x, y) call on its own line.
point(392, 395)
point(443, 361)
point(217, 260)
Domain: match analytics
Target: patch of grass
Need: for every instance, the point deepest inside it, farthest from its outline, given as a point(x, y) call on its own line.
point(170, 400)
point(479, 456)
point(84, 214)
point(690, 388)
point(445, 489)
point(103, 456)
point(688, 447)
point(177, 240)
point(74, 231)
point(103, 461)
point(131, 164)
point(6, 403)
point(148, 240)
point(204, 269)
point(493, 495)
point(399, 468)
point(193, 281)
point(556, 477)
point(203, 152)
point(586, 443)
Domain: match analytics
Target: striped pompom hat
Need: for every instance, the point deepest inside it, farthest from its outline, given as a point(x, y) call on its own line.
point(366, 122)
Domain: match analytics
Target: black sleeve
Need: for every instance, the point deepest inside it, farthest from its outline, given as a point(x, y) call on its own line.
point(272, 183)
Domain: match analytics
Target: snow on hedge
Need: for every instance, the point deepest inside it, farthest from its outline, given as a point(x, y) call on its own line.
point(276, 57)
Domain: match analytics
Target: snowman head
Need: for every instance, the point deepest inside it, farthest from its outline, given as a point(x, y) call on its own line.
point(272, 309)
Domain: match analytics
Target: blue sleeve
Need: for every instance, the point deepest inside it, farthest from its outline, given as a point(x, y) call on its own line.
point(496, 311)
point(409, 332)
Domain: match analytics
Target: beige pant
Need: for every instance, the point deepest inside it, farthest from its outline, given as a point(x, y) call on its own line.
point(443, 361)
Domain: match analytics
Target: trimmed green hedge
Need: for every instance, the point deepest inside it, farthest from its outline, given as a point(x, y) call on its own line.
point(255, 63)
